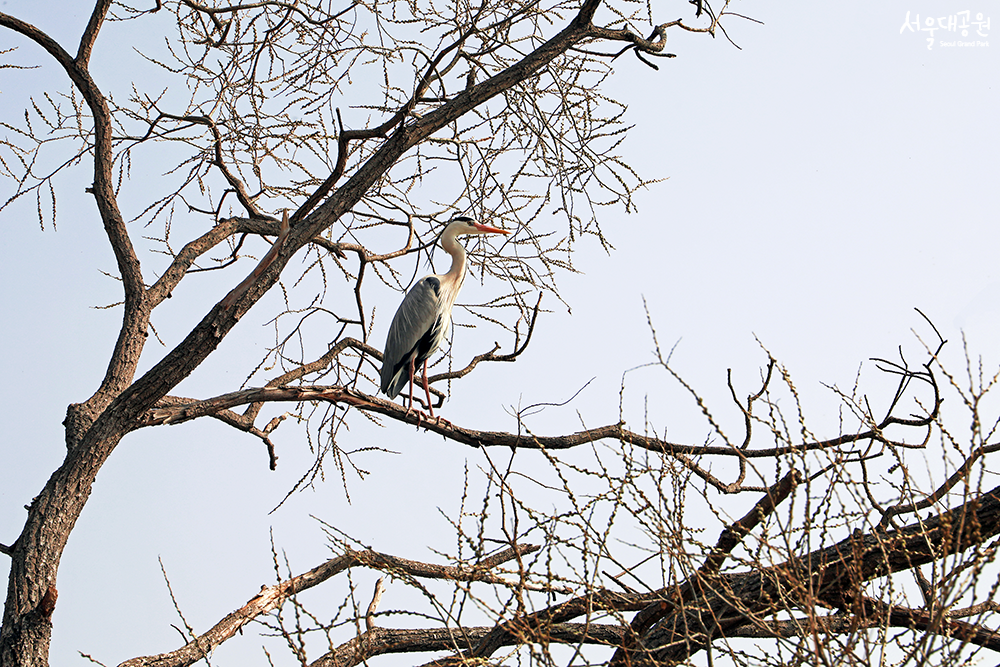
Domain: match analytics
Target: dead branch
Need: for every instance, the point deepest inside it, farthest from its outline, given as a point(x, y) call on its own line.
point(272, 597)
point(259, 270)
point(373, 606)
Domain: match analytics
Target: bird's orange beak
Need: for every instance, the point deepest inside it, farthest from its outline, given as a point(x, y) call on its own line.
point(490, 230)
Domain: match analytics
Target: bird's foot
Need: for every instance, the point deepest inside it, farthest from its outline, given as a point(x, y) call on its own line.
point(441, 421)
point(429, 418)
point(419, 414)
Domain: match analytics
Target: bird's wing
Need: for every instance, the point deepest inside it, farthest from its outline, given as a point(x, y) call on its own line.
point(415, 319)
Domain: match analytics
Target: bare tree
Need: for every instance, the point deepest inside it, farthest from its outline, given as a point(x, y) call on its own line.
point(499, 104)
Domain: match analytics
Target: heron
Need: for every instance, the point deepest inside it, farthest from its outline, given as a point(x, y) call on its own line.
point(424, 316)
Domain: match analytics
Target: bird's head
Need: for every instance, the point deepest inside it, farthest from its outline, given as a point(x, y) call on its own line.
point(464, 225)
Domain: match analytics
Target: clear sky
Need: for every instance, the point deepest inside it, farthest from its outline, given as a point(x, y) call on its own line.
point(837, 171)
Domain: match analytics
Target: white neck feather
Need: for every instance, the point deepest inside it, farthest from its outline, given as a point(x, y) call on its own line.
point(453, 279)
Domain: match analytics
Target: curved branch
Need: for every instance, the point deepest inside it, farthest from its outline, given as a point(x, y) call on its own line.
point(176, 414)
point(652, 45)
point(235, 183)
point(491, 355)
point(184, 259)
point(272, 597)
point(37, 552)
point(290, 6)
point(136, 316)
point(90, 32)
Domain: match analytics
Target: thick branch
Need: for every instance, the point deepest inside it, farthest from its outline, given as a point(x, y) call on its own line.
point(52, 515)
point(187, 256)
point(728, 608)
point(95, 428)
point(262, 266)
point(926, 621)
point(880, 615)
point(90, 32)
point(734, 533)
point(207, 335)
point(382, 641)
point(833, 577)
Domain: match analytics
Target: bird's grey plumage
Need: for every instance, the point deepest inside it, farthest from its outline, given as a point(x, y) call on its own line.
point(416, 331)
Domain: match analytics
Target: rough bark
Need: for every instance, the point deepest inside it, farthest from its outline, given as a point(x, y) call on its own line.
point(833, 577)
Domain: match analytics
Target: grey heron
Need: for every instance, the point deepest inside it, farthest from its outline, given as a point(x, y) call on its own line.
point(423, 319)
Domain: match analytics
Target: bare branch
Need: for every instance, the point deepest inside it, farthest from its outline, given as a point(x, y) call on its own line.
point(90, 33)
point(265, 262)
point(382, 641)
point(833, 575)
point(272, 597)
point(373, 606)
point(176, 414)
point(735, 533)
point(492, 355)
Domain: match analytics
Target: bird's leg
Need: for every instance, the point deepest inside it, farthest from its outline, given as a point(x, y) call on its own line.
point(427, 391)
point(409, 406)
point(430, 404)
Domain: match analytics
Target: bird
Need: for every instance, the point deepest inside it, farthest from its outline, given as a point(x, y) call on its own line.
point(424, 316)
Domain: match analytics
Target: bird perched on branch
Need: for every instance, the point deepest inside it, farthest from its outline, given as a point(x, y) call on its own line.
point(423, 318)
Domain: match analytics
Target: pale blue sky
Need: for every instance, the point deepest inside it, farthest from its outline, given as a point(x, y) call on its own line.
point(822, 182)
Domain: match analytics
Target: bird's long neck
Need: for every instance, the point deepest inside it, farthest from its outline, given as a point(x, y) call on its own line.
point(456, 274)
